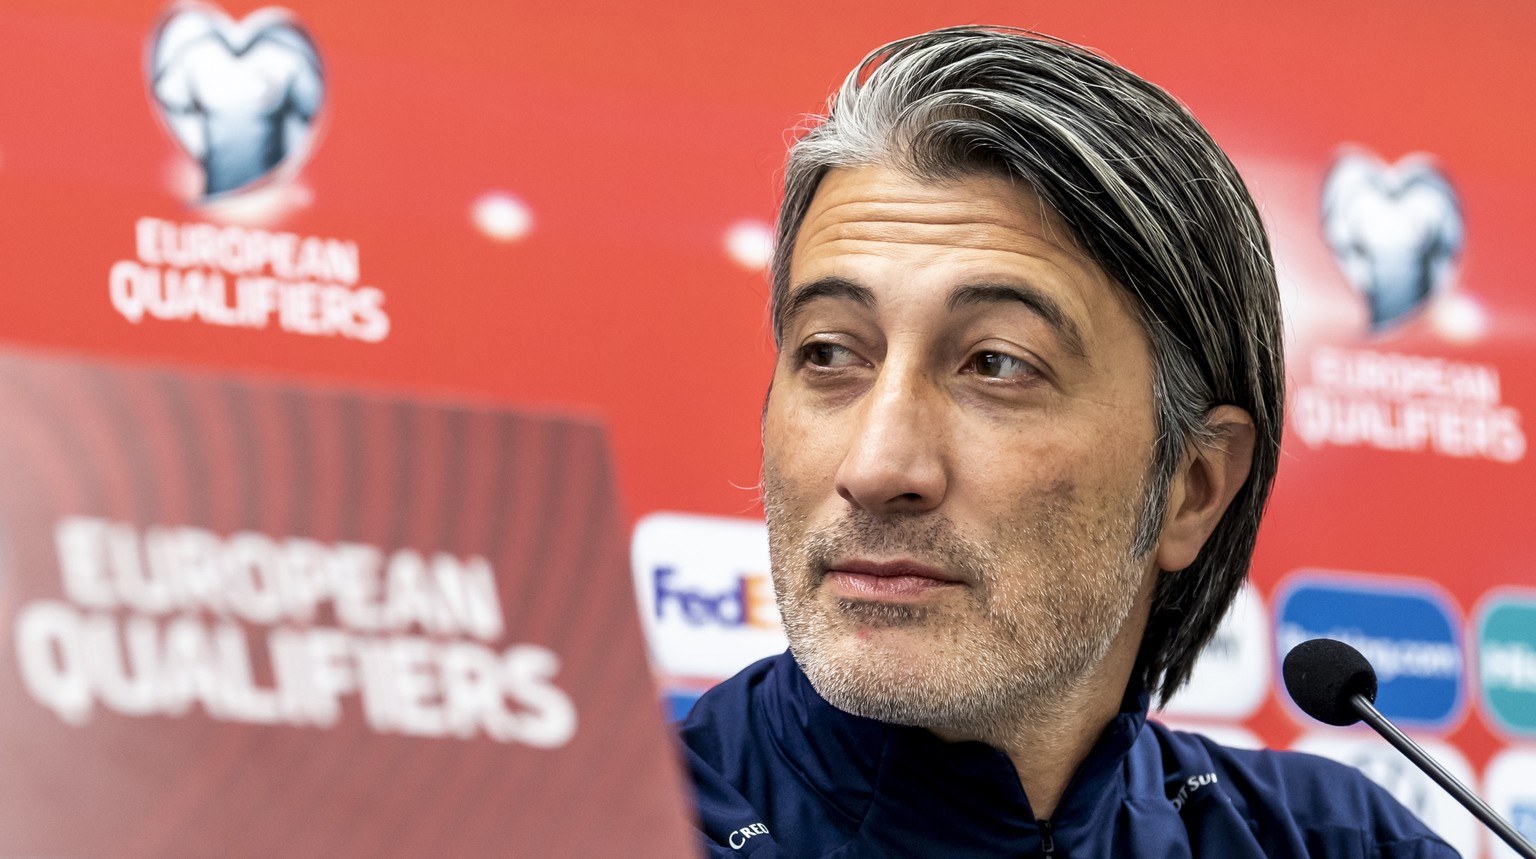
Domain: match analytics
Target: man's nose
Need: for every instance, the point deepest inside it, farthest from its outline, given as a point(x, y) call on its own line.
point(895, 462)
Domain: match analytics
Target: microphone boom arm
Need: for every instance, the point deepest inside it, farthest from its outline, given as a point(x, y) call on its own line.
point(1434, 770)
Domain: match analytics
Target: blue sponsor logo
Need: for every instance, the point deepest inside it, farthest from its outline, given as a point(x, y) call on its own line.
point(1409, 631)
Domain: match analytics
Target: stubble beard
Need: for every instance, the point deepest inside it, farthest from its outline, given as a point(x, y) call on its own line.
point(1046, 595)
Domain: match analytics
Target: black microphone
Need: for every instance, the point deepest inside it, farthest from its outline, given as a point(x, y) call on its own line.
point(1331, 682)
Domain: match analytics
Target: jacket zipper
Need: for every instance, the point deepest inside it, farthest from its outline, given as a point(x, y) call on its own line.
point(1047, 839)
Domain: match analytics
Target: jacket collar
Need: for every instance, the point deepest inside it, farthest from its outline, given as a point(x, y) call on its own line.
point(883, 774)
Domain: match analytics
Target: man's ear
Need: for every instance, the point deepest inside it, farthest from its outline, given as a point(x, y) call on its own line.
point(1208, 479)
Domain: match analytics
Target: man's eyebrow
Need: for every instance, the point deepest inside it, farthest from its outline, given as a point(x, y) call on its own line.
point(825, 287)
point(1042, 304)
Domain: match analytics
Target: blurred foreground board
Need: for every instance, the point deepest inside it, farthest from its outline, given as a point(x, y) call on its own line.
point(249, 619)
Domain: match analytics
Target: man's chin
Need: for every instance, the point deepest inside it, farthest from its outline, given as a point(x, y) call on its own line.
point(888, 675)
point(895, 655)
point(872, 615)
point(895, 636)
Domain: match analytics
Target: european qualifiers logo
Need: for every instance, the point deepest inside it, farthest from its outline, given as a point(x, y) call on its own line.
point(241, 97)
point(238, 277)
point(269, 630)
point(1395, 230)
point(1406, 403)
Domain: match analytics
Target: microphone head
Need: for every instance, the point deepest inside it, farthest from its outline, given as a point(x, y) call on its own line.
point(1322, 676)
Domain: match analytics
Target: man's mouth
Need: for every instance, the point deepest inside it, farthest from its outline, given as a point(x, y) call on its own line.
point(892, 580)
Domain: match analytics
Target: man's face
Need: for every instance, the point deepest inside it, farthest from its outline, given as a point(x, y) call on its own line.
point(955, 448)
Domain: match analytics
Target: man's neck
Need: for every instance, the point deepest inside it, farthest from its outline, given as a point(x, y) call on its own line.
point(1047, 756)
point(1047, 745)
point(1050, 736)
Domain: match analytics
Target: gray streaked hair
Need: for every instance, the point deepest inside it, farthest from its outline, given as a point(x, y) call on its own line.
point(1149, 196)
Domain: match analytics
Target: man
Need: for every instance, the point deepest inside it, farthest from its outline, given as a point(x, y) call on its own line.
point(1024, 418)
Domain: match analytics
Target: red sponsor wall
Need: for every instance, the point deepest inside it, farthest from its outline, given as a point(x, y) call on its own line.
point(561, 211)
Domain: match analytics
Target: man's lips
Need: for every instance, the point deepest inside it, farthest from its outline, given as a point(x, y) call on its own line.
point(888, 580)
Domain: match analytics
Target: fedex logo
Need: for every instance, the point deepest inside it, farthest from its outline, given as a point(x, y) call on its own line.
point(748, 603)
point(706, 608)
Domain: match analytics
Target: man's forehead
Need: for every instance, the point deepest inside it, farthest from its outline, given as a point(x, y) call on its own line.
point(877, 202)
point(975, 236)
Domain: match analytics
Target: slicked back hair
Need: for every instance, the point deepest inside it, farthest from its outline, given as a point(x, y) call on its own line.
point(1149, 196)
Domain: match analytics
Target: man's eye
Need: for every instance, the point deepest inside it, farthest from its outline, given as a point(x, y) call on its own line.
point(996, 365)
point(828, 355)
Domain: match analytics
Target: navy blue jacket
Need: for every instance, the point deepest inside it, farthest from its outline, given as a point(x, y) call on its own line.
point(779, 772)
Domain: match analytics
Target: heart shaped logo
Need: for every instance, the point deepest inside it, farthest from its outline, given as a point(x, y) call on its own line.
point(1395, 230)
point(241, 97)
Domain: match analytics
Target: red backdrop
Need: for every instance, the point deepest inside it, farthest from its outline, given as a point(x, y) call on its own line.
point(628, 141)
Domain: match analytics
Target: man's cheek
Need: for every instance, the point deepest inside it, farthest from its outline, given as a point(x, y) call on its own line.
point(797, 421)
point(796, 484)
